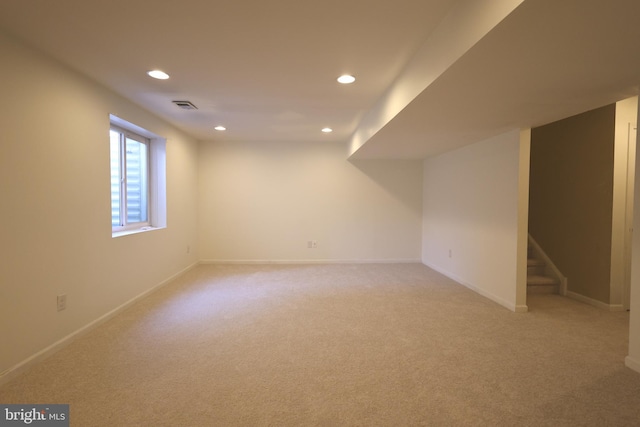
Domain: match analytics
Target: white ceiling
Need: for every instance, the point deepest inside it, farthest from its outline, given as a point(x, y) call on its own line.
point(546, 61)
point(266, 69)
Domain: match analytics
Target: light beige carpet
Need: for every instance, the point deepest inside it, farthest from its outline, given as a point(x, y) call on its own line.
point(340, 345)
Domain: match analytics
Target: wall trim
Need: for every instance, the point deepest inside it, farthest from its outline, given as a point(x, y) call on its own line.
point(21, 367)
point(312, 261)
point(499, 300)
point(632, 363)
point(595, 303)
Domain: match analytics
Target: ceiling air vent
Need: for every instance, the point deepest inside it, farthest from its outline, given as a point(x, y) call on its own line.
point(185, 105)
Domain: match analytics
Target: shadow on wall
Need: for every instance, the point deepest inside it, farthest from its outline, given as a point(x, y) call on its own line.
point(392, 175)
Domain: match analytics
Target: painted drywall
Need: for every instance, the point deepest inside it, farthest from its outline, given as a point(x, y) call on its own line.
point(523, 219)
point(467, 22)
point(571, 196)
point(633, 359)
point(264, 201)
point(471, 212)
point(55, 212)
point(622, 211)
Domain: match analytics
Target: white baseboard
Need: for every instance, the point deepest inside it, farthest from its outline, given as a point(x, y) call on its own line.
point(499, 300)
point(595, 303)
point(521, 308)
point(632, 363)
point(310, 261)
point(16, 370)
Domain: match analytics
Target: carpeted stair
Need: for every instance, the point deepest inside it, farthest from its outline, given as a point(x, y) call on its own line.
point(537, 280)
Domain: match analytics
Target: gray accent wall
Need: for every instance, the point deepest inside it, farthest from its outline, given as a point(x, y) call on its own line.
point(571, 197)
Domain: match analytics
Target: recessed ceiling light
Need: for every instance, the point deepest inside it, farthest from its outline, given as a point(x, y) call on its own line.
point(220, 128)
point(327, 130)
point(346, 79)
point(157, 74)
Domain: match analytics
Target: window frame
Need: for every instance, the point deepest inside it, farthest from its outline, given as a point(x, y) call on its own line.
point(125, 225)
point(156, 184)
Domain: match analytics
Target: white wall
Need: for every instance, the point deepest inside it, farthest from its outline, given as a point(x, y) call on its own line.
point(633, 359)
point(264, 201)
point(55, 211)
point(471, 215)
point(465, 24)
point(622, 212)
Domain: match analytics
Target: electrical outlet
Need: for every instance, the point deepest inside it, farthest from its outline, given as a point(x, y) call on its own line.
point(314, 244)
point(188, 249)
point(450, 253)
point(62, 302)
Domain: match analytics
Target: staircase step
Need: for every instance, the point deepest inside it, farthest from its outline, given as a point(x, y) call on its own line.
point(543, 289)
point(534, 262)
point(535, 267)
point(542, 285)
point(536, 280)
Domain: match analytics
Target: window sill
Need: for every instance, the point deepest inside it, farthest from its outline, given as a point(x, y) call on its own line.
point(122, 233)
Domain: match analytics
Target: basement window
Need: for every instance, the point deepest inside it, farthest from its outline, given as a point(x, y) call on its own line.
point(138, 181)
